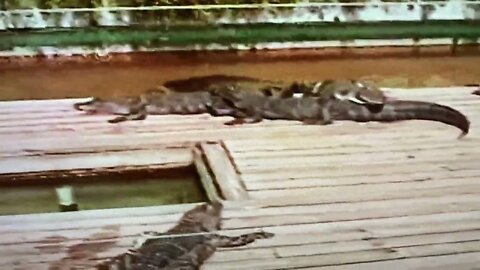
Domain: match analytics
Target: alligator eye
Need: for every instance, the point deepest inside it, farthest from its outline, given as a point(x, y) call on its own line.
point(344, 92)
point(267, 92)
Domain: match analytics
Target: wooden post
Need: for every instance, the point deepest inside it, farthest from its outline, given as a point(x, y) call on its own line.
point(66, 200)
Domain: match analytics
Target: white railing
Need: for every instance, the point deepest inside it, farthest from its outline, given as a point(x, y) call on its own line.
point(240, 6)
point(258, 13)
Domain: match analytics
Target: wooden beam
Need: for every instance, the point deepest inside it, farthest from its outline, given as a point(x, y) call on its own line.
point(226, 175)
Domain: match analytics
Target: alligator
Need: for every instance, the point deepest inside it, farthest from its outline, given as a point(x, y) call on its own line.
point(156, 101)
point(353, 90)
point(323, 110)
point(179, 97)
point(186, 246)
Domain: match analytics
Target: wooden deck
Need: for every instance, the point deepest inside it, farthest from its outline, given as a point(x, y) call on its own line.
point(403, 195)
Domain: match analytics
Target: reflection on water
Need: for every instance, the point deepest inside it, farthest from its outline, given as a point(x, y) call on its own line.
point(108, 79)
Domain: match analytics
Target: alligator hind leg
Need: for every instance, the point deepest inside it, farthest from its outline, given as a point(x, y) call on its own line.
point(243, 117)
point(117, 119)
point(132, 117)
point(322, 122)
point(324, 119)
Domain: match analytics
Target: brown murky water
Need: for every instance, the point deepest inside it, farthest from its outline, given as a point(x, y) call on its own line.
point(131, 74)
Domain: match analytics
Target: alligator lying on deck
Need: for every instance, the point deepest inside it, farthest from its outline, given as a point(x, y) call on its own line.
point(186, 246)
point(250, 100)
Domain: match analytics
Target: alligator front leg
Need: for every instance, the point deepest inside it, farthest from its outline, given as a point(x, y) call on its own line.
point(241, 121)
point(325, 118)
point(130, 117)
point(136, 114)
point(242, 240)
point(85, 106)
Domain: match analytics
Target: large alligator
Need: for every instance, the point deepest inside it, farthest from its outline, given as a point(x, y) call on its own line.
point(186, 246)
point(318, 110)
point(194, 96)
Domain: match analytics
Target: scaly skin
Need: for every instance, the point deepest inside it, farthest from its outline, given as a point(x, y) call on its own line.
point(218, 82)
point(253, 108)
point(337, 100)
point(351, 90)
point(158, 101)
point(176, 249)
point(192, 96)
point(397, 110)
point(315, 110)
point(189, 96)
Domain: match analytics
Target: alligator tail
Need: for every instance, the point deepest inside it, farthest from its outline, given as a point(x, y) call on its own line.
point(397, 110)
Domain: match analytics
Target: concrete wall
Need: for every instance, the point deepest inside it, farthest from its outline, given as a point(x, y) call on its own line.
point(374, 10)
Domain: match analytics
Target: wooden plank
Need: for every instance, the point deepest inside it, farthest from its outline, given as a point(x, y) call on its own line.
point(463, 261)
point(11, 233)
point(29, 251)
point(440, 163)
point(53, 177)
point(285, 236)
point(370, 144)
point(225, 173)
point(310, 145)
point(232, 255)
point(393, 242)
point(363, 142)
point(98, 160)
point(350, 257)
point(325, 197)
point(325, 236)
point(366, 189)
point(92, 150)
point(360, 170)
point(206, 177)
point(322, 181)
point(216, 133)
point(344, 159)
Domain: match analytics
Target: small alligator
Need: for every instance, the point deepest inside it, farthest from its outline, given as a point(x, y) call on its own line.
point(184, 247)
point(158, 101)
